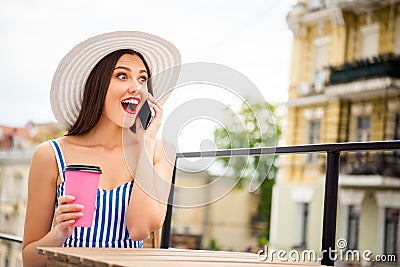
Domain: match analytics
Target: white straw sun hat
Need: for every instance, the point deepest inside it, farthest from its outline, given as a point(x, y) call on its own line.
point(70, 77)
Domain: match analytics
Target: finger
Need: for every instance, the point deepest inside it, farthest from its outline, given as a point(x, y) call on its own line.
point(65, 199)
point(68, 223)
point(158, 104)
point(151, 104)
point(63, 218)
point(154, 101)
point(70, 208)
point(151, 98)
point(158, 110)
point(68, 216)
point(66, 208)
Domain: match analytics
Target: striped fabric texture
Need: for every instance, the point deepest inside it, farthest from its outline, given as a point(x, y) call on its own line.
point(108, 227)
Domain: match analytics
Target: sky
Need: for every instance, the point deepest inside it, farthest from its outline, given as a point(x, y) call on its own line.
point(251, 37)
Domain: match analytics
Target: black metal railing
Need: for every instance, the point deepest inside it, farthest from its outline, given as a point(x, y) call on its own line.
point(10, 238)
point(331, 183)
point(386, 65)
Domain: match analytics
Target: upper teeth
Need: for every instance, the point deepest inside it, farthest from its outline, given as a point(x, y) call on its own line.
point(131, 101)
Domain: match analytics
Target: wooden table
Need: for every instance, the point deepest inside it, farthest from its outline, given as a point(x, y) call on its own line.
point(117, 257)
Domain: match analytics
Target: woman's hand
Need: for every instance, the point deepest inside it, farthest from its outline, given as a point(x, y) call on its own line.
point(148, 137)
point(66, 215)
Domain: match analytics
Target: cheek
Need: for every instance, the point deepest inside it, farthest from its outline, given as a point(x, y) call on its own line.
point(113, 94)
point(111, 102)
point(107, 102)
point(143, 90)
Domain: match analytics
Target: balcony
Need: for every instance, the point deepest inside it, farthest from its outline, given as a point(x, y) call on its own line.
point(364, 163)
point(360, 6)
point(368, 78)
point(387, 65)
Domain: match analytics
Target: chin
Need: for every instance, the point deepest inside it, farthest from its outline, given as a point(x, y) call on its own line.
point(127, 122)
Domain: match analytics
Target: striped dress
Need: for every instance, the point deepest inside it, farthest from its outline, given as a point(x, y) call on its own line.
point(108, 227)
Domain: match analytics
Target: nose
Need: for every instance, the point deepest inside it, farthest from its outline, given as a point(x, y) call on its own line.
point(133, 87)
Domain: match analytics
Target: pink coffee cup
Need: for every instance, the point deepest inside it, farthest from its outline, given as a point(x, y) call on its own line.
point(82, 182)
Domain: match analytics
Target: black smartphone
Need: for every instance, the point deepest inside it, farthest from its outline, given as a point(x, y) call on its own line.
point(146, 114)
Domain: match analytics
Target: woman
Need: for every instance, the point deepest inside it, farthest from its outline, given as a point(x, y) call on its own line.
point(97, 92)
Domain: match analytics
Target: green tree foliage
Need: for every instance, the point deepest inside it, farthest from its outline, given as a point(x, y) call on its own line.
point(255, 125)
point(213, 245)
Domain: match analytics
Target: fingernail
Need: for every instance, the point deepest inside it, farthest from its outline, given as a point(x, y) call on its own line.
point(79, 206)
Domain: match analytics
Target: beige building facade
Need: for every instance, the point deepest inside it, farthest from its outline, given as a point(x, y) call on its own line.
point(222, 215)
point(14, 169)
point(344, 87)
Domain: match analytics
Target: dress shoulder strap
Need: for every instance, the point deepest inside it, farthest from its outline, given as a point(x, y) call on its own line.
point(59, 157)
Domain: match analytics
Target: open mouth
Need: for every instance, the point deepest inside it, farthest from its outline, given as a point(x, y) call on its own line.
point(129, 104)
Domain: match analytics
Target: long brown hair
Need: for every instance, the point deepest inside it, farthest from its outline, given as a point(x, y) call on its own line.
point(96, 89)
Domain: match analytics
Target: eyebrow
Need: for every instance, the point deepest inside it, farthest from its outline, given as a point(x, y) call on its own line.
point(128, 69)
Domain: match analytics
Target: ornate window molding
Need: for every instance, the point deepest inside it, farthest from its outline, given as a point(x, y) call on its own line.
point(351, 197)
point(362, 109)
point(336, 16)
point(369, 40)
point(302, 194)
point(313, 113)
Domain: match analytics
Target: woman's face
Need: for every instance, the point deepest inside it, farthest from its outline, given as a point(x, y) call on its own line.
point(126, 92)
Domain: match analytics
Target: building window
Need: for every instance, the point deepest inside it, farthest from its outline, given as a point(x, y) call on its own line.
point(363, 128)
point(353, 227)
point(314, 137)
point(397, 127)
point(397, 37)
point(369, 40)
point(397, 133)
point(305, 224)
point(315, 126)
point(301, 226)
point(391, 231)
point(320, 59)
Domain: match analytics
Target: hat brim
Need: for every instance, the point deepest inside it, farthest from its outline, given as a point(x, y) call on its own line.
point(70, 77)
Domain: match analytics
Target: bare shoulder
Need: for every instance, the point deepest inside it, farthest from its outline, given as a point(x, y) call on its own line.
point(43, 159)
point(43, 151)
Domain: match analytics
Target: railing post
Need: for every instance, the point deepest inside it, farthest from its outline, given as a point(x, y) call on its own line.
point(166, 228)
point(330, 207)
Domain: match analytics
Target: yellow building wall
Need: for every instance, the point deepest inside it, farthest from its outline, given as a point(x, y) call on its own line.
point(218, 218)
point(337, 124)
point(331, 122)
point(286, 222)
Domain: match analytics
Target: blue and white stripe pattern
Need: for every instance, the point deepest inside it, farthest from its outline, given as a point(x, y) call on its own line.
point(108, 227)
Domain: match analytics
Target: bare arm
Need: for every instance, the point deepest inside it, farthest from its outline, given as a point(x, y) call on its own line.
point(40, 208)
point(149, 197)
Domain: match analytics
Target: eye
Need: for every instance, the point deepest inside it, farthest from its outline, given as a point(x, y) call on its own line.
point(143, 79)
point(122, 76)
